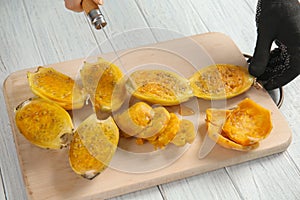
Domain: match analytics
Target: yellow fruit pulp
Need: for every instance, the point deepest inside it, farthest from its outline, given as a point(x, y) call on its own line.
point(215, 133)
point(159, 87)
point(135, 119)
point(186, 133)
point(166, 135)
point(104, 83)
point(220, 81)
point(52, 85)
point(93, 146)
point(248, 123)
point(241, 128)
point(141, 120)
point(44, 123)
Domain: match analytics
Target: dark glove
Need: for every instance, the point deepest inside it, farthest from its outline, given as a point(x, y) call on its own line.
point(277, 21)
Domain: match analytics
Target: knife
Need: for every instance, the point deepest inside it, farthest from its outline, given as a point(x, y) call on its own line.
point(94, 13)
point(97, 19)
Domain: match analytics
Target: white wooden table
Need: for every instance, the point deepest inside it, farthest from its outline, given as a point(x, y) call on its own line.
point(41, 32)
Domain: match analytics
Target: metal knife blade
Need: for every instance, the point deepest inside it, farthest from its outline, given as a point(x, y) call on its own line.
point(94, 13)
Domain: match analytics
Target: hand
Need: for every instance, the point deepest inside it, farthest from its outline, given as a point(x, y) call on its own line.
point(277, 21)
point(75, 5)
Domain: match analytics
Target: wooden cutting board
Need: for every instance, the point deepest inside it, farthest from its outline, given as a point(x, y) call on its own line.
point(47, 174)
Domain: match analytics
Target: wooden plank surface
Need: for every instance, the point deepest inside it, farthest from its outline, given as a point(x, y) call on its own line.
point(2, 191)
point(31, 35)
point(52, 178)
point(173, 18)
point(56, 28)
point(14, 49)
point(241, 19)
point(127, 27)
point(220, 185)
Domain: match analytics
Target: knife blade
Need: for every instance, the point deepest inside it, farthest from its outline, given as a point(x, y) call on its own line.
point(94, 13)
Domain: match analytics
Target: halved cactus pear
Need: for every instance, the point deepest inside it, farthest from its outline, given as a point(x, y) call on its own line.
point(249, 123)
point(220, 81)
point(93, 146)
point(44, 123)
point(159, 87)
point(105, 84)
point(52, 85)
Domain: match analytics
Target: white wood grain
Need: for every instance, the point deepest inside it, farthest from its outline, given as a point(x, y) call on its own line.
point(17, 45)
point(148, 194)
point(175, 18)
point(194, 16)
point(252, 4)
point(126, 26)
point(212, 185)
point(272, 177)
point(60, 34)
point(2, 192)
point(16, 38)
point(236, 19)
point(10, 167)
point(291, 110)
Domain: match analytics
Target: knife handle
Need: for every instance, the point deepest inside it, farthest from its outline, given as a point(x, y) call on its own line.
point(93, 12)
point(88, 5)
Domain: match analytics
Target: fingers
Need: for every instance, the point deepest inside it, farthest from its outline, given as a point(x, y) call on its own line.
point(75, 5)
point(281, 79)
point(278, 76)
point(261, 55)
point(99, 2)
point(266, 33)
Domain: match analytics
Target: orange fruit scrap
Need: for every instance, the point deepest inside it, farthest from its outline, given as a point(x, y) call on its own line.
point(142, 120)
point(249, 123)
point(241, 128)
point(155, 125)
point(166, 135)
point(186, 133)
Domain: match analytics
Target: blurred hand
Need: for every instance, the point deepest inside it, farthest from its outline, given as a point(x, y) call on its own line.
point(75, 5)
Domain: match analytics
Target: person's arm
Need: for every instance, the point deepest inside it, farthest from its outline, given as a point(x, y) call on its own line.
point(75, 5)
